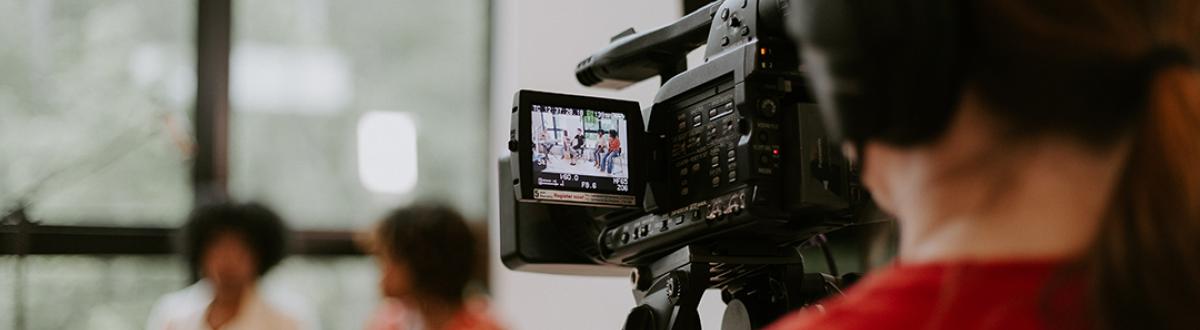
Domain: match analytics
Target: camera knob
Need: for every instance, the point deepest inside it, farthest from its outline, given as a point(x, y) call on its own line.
point(768, 107)
point(512, 145)
point(674, 289)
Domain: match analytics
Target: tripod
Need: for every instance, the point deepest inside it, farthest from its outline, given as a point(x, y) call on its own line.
point(758, 285)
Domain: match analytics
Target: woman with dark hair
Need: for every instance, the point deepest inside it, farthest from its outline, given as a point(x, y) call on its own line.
point(229, 247)
point(428, 256)
point(1064, 192)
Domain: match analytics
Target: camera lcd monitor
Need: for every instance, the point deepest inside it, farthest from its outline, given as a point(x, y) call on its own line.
point(579, 148)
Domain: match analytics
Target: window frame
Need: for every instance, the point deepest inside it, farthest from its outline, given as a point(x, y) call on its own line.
point(23, 236)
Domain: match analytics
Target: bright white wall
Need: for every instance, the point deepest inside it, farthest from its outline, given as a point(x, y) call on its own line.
point(536, 44)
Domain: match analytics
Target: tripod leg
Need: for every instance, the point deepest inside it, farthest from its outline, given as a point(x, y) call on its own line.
point(685, 318)
point(640, 318)
point(669, 301)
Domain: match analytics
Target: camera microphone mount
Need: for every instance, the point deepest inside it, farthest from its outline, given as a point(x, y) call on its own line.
point(633, 57)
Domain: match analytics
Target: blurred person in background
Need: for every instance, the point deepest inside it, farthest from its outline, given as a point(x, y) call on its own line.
point(1063, 193)
point(428, 257)
point(230, 247)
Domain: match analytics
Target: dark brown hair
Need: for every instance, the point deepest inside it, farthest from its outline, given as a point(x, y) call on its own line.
point(262, 229)
point(437, 247)
point(1101, 72)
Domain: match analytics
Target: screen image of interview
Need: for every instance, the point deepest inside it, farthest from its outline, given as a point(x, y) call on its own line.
point(580, 149)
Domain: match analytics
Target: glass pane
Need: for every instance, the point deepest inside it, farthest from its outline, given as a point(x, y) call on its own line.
point(94, 97)
point(326, 95)
point(343, 291)
point(76, 292)
point(8, 292)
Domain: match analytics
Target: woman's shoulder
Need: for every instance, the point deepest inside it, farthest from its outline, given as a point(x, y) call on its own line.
point(965, 295)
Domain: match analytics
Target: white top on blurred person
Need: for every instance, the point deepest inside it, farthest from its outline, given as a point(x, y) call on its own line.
point(230, 246)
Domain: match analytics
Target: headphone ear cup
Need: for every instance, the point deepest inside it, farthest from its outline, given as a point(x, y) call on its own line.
point(887, 70)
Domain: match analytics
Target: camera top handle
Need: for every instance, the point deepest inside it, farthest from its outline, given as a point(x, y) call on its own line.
point(633, 57)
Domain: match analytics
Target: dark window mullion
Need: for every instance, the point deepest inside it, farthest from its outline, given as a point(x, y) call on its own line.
point(210, 174)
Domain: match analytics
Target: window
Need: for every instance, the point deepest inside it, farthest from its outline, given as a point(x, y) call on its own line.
point(8, 285)
point(94, 110)
point(307, 74)
point(81, 292)
point(340, 111)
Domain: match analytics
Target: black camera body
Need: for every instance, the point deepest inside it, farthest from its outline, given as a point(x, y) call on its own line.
point(737, 161)
point(728, 176)
point(732, 149)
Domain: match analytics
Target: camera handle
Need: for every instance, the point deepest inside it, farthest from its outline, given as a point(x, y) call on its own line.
point(757, 287)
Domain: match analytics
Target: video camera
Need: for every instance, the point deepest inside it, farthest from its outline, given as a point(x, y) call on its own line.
point(730, 172)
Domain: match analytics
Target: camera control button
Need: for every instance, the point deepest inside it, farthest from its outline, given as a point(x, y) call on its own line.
point(768, 107)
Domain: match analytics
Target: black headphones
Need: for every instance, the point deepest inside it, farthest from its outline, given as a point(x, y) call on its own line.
point(894, 70)
point(888, 70)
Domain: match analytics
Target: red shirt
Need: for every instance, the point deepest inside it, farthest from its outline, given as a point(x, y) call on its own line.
point(958, 295)
point(393, 315)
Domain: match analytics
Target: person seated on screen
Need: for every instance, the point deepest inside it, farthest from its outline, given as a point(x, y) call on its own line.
point(428, 258)
point(577, 148)
point(230, 247)
point(614, 151)
point(543, 142)
point(565, 150)
point(599, 151)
